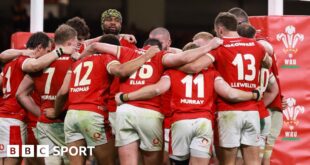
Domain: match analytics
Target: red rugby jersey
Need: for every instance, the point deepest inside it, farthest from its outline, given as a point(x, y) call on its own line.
point(238, 61)
point(166, 108)
point(149, 73)
point(114, 87)
point(48, 82)
point(90, 82)
point(12, 77)
point(192, 95)
point(127, 44)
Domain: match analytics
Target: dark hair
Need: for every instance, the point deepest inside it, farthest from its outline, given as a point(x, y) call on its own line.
point(80, 26)
point(226, 20)
point(153, 42)
point(246, 30)
point(110, 39)
point(64, 33)
point(37, 39)
point(241, 15)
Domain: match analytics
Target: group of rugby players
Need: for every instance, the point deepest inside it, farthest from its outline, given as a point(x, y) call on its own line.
point(152, 105)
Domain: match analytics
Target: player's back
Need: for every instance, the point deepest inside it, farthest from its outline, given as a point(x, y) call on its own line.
point(48, 81)
point(89, 84)
point(238, 61)
point(147, 74)
point(12, 77)
point(193, 95)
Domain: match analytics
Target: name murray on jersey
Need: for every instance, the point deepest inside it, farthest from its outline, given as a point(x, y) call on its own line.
point(48, 97)
point(191, 101)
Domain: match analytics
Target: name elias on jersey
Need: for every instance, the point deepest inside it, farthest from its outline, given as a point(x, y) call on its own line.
point(191, 101)
point(238, 44)
point(79, 89)
point(137, 82)
point(242, 85)
point(48, 97)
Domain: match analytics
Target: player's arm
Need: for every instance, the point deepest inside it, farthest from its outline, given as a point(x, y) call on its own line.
point(23, 96)
point(272, 90)
point(174, 50)
point(267, 61)
point(100, 47)
point(10, 54)
point(62, 96)
point(223, 89)
point(147, 92)
point(92, 40)
point(36, 64)
point(129, 67)
point(197, 65)
point(173, 60)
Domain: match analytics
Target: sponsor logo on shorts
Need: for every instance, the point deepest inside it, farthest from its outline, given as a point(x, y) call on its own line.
point(97, 136)
point(290, 38)
point(291, 121)
point(156, 141)
point(1, 147)
point(204, 141)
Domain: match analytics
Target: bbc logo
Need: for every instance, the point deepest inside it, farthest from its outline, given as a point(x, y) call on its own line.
point(45, 151)
point(27, 151)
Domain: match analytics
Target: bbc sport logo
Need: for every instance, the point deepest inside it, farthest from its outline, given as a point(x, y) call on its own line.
point(45, 150)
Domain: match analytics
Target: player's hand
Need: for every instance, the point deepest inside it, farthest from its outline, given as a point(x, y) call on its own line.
point(152, 51)
point(118, 99)
point(50, 113)
point(215, 42)
point(284, 103)
point(129, 37)
point(258, 92)
point(68, 49)
point(27, 52)
point(76, 56)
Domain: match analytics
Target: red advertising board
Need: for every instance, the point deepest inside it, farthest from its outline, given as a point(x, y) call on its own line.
point(290, 39)
point(19, 39)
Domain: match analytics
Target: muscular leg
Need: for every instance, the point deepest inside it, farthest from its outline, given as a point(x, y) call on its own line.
point(227, 155)
point(104, 153)
point(166, 160)
point(129, 154)
point(35, 160)
point(152, 157)
point(198, 161)
point(250, 155)
point(12, 161)
point(78, 159)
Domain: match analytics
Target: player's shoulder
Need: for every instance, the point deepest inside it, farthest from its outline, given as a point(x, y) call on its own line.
point(62, 61)
point(16, 61)
point(266, 45)
point(211, 72)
